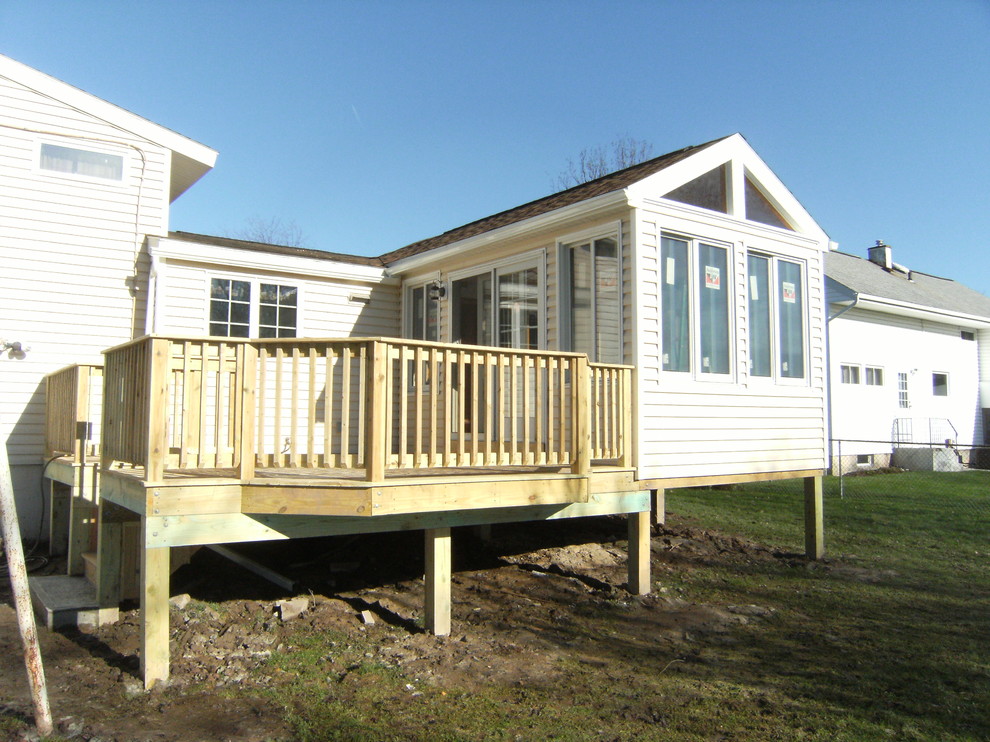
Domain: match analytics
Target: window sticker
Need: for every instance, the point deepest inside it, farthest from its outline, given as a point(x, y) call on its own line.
point(788, 292)
point(754, 288)
point(670, 271)
point(713, 278)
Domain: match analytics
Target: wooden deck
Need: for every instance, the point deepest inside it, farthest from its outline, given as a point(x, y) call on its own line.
point(204, 440)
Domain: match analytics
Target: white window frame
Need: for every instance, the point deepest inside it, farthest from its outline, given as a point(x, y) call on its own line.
point(694, 306)
point(876, 370)
point(854, 369)
point(407, 307)
point(947, 390)
point(254, 310)
point(777, 377)
point(530, 259)
point(903, 391)
point(84, 146)
point(612, 230)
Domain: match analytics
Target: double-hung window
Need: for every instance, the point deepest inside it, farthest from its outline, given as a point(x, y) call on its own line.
point(776, 317)
point(591, 298)
point(695, 306)
point(240, 308)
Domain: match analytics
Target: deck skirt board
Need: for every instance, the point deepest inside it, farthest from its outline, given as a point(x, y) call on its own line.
point(333, 492)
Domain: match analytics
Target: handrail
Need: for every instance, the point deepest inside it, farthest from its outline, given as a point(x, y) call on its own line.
point(73, 399)
point(375, 404)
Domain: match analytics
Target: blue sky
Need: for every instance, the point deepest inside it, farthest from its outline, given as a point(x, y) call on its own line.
point(374, 124)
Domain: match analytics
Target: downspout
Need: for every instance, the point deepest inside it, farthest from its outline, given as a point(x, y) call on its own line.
point(151, 311)
point(828, 371)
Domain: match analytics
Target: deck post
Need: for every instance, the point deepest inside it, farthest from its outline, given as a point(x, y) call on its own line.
point(438, 581)
point(81, 423)
point(156, 455)
point(639, 553)
point(109, 550)
point(814, 526)
point(249, 380)
point(154, 610)
point(581, 462)
point(626, 441)
point(59, 511)
point(659, 498)
point(377, 415)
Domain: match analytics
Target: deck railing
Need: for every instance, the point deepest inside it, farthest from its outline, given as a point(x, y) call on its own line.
point(372, 404)
point(73, 400)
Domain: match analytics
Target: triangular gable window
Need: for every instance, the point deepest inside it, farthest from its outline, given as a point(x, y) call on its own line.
point(759, 209)
point(707, 191)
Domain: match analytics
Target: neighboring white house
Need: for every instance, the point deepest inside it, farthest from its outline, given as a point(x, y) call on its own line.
point(83, 184)
point(910, 362)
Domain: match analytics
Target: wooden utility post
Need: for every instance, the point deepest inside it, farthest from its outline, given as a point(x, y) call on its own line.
point(22, 594)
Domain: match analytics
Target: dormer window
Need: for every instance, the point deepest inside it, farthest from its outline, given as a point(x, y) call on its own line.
point(81, 162)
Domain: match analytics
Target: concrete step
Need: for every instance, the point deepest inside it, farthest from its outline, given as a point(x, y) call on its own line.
point(67, 600)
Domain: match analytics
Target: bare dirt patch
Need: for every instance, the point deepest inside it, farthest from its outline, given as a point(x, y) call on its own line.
point(528, 607)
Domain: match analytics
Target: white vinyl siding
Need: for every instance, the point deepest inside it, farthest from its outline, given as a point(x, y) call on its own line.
point(72, 251)
point(326, 306)
point(693, 427)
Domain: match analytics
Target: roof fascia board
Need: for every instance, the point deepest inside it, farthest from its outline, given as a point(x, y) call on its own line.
point(918, 311)
point(112, 114)
point(170, 248)
point(589, 208)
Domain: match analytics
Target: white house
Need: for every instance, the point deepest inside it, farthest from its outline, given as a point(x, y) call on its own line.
point(910, 363)
point(83, 184)
point(660, 326)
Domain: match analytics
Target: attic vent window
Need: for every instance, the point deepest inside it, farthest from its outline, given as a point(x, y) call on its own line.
point(81, 162)
point(967, 335)
point(759, 209)
point(707, 191)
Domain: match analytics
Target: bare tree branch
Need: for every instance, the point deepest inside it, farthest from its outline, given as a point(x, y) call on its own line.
point(272, 231)
point(594, 162)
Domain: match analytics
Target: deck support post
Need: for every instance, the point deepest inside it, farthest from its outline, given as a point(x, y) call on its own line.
point(59, 511)
point(814, 527)
point(109, 548)
point(154, 610)
point(659, 506)
point(438, 581)
point(639, 553)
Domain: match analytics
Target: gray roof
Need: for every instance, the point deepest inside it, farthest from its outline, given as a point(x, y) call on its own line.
point(864, 277)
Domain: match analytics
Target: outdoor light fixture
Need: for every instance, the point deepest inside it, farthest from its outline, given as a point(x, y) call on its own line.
point(14, 349)
point(437, 291)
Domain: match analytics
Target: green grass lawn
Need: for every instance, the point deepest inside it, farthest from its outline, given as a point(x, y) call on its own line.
point(891, 639)
point(888, 639)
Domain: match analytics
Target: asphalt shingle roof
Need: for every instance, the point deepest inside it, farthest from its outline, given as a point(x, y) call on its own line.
point(606, 184)
point(865, 277)
point(301, 252)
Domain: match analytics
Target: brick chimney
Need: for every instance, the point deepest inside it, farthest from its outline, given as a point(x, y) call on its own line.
point(881, 255)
